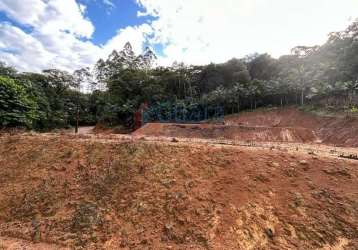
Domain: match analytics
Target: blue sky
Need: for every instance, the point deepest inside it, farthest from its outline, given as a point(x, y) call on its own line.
point(108, 19)
point(70, 34)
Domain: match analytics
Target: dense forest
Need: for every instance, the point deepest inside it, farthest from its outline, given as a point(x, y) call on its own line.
point(115, 88)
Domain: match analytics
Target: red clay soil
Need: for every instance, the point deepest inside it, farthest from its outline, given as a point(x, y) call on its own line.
point(67, 192)
point(101, 129)
point(339, 131)
point(275, 125)
point(277, 117)
point(229, 132)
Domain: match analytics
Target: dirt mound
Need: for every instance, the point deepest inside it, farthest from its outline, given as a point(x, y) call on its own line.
point(273, 125)
point(230, 132)
point(88, 193)
point(340, 131)
point(277, 117)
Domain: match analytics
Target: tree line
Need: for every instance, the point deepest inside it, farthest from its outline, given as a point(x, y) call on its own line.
point(118, 86)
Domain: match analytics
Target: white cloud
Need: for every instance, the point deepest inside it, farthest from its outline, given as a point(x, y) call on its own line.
point(37, 51)
point(58, 27)
point(18, 42)
point(204, 31)
point(192, 31)
point(136, 35)
point(49, 16)
point(109, 3)
point(59, 36)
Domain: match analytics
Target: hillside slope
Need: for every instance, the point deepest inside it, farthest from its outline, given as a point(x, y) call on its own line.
point(72, 192)
point(266, 125)
point(340, 131)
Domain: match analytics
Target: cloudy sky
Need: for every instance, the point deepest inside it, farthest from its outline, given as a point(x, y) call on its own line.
point(70, 34)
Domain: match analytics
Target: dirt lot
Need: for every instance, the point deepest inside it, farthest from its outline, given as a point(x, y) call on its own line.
point(338, 131)
point(229, 132)
point(155, 192)
point(276, 125)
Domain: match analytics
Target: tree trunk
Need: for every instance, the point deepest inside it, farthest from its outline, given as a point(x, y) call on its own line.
point(77, 119)
point(302, 97)
point(190, 90)
point(184, 89)
point(350, 94)
point(238, 103)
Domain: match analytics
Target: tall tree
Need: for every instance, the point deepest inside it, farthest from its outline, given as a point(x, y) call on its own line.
point(17, 108)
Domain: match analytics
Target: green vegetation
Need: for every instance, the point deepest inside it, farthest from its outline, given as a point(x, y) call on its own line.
point(324, 76)
point(17, 106)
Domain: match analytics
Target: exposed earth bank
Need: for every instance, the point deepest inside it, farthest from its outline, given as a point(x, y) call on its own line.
point(276, 125)
point(65, 192)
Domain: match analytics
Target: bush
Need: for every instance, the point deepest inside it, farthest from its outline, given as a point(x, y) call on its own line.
point(17, 108)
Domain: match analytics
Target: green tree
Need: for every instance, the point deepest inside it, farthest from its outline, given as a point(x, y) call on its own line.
point(17, 108)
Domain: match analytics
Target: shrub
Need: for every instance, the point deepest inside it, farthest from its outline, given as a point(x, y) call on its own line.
point(17, 108)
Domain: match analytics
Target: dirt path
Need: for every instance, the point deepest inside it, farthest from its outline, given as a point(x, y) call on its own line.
point(312, 149)
point(85, 130)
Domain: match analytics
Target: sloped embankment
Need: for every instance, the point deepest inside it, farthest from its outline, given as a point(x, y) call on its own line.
point(270, 125)
point(228, 132)
point(340, 131)
point(76, 193)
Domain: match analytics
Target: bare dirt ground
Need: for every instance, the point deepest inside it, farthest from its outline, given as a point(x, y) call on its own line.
point(229, 132)
point(85, 130)
point(82, 130)
point(276, 125)
point(153, 191)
